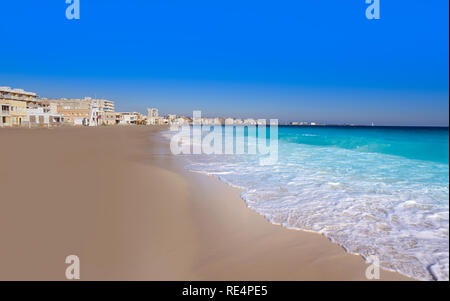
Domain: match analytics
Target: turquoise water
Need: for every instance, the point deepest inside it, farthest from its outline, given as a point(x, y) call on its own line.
point(420, 143)
point(380, 191)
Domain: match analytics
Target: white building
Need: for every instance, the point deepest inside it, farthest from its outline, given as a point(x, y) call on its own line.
point(129, 118)
point(42, 112)
point(153, 116)
point(152, 112)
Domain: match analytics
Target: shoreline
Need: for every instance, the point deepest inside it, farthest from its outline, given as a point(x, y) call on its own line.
point(138, 214)
point(180, 168)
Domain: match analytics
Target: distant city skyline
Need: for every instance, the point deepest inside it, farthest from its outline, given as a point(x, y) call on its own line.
point(297, 61)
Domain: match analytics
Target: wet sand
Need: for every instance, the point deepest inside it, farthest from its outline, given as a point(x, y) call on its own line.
point(117, 199)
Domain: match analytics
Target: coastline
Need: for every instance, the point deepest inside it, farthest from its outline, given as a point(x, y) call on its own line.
point(115, 197)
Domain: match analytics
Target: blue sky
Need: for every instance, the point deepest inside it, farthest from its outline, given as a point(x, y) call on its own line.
point(293, 60)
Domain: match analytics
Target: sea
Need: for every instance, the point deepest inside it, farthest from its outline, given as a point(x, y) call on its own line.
point(375, 191)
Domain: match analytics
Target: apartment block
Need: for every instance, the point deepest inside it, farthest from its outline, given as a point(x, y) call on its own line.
point(13, 103)
point(73, 111)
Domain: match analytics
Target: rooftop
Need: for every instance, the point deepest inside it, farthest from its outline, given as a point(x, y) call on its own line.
point(17, 91)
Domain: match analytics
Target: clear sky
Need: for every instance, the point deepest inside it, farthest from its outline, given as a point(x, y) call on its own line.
point(302, 60)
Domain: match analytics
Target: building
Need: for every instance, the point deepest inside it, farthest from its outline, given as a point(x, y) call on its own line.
point(127, 118)
point(118, 116)
point(152, 116)
point(108, 118)
point(105, 111)
point(43, 112)
point(141, 119)
point(86, 111)
point(19, 107)
point(106, 105)
point(74, 111)
point(13, 103)
point(5, 114)
point(152, 112)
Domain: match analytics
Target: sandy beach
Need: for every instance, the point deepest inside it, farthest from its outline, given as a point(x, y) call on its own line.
point(116, 198)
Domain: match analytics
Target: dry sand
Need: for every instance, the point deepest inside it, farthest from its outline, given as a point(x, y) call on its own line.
point(116, 198)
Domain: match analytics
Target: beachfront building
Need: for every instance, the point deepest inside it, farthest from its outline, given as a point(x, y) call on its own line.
point(43, 112)
point(102, 110)
point(153, 116)
point(18, 112)
point(127, 118)
point(86, 111)
point(152, 112)
point(13, 104)
point(18, 107)
point(118, 116)
point(106, 105)
point(141, 119)
point(5, 111)
point(73, 111)
point(108, 118)
point(5, 115)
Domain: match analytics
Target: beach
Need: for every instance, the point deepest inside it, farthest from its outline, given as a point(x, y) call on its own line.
point(117, 198)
